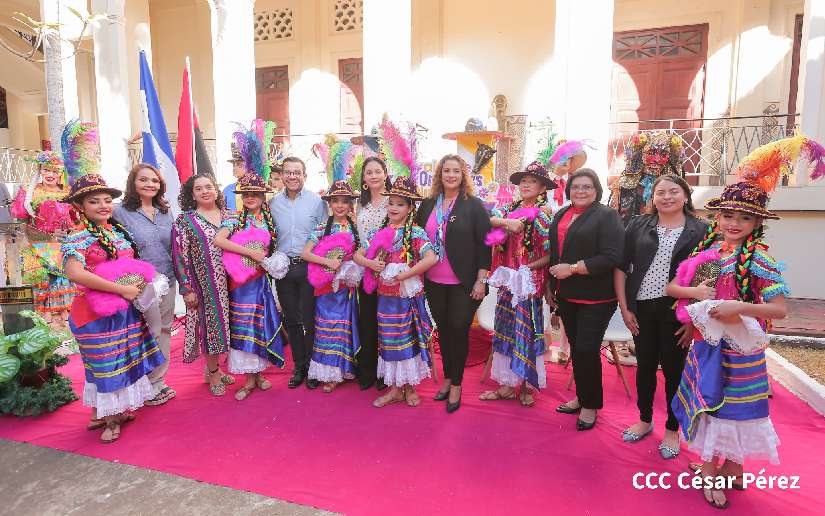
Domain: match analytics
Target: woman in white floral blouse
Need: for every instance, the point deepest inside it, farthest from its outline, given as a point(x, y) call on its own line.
point(372, 210)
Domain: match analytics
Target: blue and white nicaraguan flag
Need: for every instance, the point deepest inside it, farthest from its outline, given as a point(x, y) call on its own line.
point(157, 150)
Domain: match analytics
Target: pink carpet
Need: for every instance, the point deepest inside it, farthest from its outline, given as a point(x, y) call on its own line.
point(336, 452)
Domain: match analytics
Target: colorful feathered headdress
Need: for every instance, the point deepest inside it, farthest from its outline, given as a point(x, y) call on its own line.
point(399, 146)
point(81, 149)
point(566, 150)
point(342, 160)
point(641, 144)
point(761, 170)
point(254, 146)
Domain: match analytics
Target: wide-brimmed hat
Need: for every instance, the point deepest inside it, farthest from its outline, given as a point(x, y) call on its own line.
point(536, 170)
point(745, 197)
point(251, 183)
point(89, 184)
point(404, 187)
point(340, 188)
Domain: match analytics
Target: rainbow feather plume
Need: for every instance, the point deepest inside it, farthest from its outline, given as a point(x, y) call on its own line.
point(566, 150)
point(81, 149)
point(815, 154)
point(266, 143)
point(358, 168)
point(337, 168)
point(544, 156)
point(398, 151)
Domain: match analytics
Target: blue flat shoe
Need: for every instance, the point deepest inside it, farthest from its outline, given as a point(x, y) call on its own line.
point(667, 452)
point(632, 437)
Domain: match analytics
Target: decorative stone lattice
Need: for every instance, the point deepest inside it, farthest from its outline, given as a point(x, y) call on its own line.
point(348, 15)
point(273, 25)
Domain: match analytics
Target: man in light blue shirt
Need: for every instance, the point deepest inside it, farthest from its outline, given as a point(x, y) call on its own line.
point(296, 212)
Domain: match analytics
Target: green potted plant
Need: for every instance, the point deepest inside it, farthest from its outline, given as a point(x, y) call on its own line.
point(29, 382)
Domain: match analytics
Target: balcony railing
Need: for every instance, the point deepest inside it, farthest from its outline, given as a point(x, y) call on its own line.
point(713, 146)
point(13, 165)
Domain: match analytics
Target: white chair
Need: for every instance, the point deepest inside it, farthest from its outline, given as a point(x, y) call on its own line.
point(616, 332)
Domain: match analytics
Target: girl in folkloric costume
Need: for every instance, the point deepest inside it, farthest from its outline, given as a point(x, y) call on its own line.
point(247, 239)
point(520, 257)
point(400, 253)
point(722, 401)
point(115, 344)
point(48, 219)
point(332, 246)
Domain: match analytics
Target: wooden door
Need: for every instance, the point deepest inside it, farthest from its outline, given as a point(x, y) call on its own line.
point(272, 96)
point(351, 76)
point(659, 74)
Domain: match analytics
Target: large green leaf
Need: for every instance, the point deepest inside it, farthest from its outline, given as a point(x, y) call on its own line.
point(33, 340)
point(9, 365)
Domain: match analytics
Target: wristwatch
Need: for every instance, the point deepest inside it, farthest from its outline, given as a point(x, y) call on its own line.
point(574, 268)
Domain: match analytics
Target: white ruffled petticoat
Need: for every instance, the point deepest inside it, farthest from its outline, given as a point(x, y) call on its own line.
point(735, 440)
point(501, 372)
point(746, 337)
point(243, 362)
point(518, 282)
point(118, 402)
point(403, 372)
point(327, 373)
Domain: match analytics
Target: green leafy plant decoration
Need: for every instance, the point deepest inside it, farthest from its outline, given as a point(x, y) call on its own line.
point(32, 352)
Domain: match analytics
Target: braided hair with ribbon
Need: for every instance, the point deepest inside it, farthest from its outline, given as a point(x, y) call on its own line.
point(103, 238)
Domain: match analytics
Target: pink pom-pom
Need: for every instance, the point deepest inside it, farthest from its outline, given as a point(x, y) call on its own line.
point(684, 277)
point(382, 241)
point(496, 236)
point(236, 266)
point(318, 275)
point(107, 303)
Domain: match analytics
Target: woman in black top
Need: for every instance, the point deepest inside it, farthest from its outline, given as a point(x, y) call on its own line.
point(457, 224)
point(586, 244)
point(655, 244)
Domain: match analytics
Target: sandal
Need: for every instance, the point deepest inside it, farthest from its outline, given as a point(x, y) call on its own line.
point(165, 394)
point(413, 400)
point(226, 379)
point(712, 501)
point(113, 427)
point(496, 395)
point(697, 468)
point(94, 424)
point(242, 393)
point(262, 383)
point(387, 399)
point(329, 387)
point(526, 398)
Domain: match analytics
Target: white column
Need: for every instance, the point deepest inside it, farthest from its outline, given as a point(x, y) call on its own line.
point(233, 69)
point(61, 77)
point(112, 83)
point(812, 75)
point(387, 51)
point(582, 55)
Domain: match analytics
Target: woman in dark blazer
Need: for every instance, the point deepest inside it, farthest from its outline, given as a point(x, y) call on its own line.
point(655, 244)
point(457, 224)
point(586, 244)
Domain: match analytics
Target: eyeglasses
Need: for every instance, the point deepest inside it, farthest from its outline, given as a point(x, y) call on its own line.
point(581, 188)
point(291, 173)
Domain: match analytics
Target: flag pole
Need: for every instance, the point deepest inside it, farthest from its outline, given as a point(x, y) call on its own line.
point(192, 118)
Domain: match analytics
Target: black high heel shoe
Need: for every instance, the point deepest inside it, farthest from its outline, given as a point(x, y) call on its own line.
point(582, 426)
point(452, 407)
point(441, 396)
point(565, 409)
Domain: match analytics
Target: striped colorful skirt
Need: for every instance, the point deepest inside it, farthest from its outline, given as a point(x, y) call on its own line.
point(118, 352)
point(722, 404)
point(404, 334)
point(336, 336)
point(518, 342)
point(53, 292)
point(255, 327)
